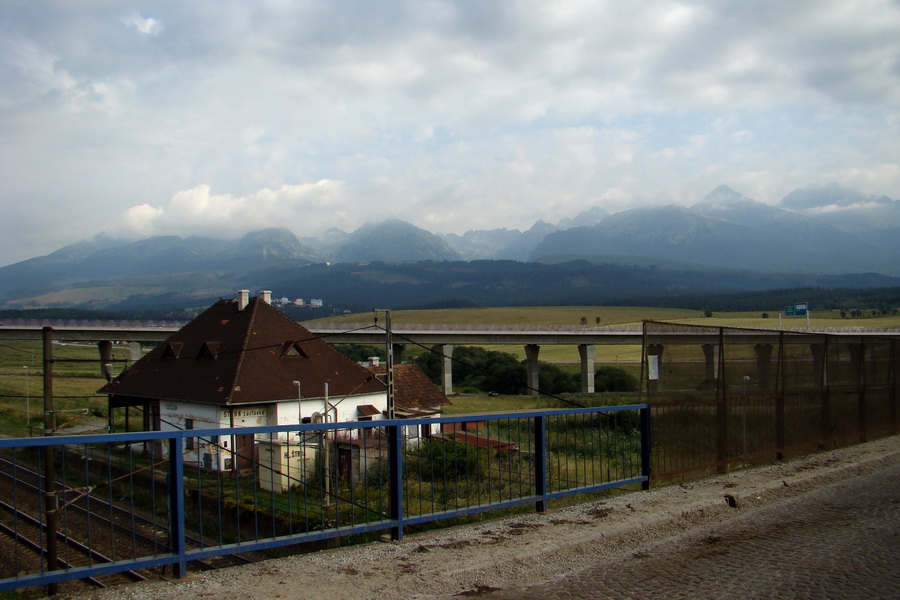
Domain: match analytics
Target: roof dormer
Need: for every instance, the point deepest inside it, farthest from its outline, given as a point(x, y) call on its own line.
point(292, 349)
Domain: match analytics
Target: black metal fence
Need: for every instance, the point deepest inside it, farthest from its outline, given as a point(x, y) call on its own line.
point(723, 398)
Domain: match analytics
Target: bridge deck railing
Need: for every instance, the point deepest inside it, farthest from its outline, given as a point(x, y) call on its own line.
point(160, 500)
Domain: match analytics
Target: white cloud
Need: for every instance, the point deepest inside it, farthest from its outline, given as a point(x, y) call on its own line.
point(146, 25)
point(207, 116)
point(198, 211)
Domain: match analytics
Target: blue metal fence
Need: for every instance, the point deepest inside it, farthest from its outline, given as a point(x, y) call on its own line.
point(155, 499)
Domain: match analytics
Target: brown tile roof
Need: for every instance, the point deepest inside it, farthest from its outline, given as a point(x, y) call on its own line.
point(231, 356)
point(412, 387)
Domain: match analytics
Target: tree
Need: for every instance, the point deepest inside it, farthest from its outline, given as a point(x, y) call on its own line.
point(554, 380)
point(765, 315)
point(360, 352)
point(614, 379)
point(583, 321)
point(597, 320)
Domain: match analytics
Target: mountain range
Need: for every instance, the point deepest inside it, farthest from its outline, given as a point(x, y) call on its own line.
point(825, 231)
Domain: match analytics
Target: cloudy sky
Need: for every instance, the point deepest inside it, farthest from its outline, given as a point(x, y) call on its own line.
point(219, 117)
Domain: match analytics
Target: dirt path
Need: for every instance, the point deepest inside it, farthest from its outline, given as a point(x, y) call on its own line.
point(525, 550)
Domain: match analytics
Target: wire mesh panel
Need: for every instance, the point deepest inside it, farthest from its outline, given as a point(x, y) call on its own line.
point(722, 398)
point(803, 422)
point(684, 438)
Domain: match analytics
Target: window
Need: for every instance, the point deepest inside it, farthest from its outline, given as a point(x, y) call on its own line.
point(292, 349)
point(189, 441)
point(209, 349)
point(172, 349)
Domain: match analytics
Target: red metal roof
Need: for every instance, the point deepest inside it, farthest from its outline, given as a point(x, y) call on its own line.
point(231, 356)
point(412, 387)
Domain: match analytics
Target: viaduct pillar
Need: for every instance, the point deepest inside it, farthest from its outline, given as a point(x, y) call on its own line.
point(533, 380)
point(446, 368)
point(586, 351)
point(711, 362)
point(763, 366)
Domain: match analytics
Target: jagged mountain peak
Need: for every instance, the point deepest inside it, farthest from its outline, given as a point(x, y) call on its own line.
point(829, 196)
point(394, 240)
point(274, 242)
point(585, 218)
point(724, 196)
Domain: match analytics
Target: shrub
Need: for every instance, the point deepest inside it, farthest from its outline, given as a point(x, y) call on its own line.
point(614, 379)
point(435, 460)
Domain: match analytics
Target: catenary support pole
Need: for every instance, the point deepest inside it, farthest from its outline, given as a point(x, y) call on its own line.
point(51, 503)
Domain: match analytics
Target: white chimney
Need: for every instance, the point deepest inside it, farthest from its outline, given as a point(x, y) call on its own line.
point(243, 298)
point(265, 296)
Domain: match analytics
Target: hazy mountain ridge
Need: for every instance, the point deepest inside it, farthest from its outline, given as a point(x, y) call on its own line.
point(828, 230)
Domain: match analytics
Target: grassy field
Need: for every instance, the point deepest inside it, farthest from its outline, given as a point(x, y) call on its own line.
point(74, 384)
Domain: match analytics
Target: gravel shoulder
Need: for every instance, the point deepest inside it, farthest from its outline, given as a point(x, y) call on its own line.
point(521, 550)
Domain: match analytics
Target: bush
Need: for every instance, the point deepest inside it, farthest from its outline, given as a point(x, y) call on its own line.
point(614, 379)
point(436, 460)
point(554, 380)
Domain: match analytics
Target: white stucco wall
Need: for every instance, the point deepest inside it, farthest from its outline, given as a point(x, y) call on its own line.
point(175, 416)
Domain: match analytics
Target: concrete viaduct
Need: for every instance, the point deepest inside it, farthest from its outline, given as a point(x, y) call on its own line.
point(445, 337)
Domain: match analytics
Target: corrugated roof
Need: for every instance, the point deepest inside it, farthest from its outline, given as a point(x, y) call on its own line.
point(231, 356)
point(412, 387)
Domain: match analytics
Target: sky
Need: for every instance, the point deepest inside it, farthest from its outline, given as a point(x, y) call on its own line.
point(219, 117)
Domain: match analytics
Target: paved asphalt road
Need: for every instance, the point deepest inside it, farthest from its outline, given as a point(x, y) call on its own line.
point(840, 541)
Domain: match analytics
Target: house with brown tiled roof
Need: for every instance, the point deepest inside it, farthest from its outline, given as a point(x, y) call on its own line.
point(243, 363)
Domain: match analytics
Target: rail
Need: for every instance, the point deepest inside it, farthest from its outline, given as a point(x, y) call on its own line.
point(218, 492)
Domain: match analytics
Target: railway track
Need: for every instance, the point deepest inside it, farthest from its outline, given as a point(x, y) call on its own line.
point(30, 533)
point(92, 530)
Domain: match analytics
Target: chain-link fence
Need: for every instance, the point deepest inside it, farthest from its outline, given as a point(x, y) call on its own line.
point(723, 398)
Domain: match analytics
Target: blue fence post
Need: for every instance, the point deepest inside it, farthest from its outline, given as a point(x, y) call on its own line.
point(646, 448)
point(540, 462)
point(395, 480)
point(176, 505)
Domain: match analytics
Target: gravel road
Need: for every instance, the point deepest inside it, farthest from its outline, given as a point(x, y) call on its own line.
point(538, 555)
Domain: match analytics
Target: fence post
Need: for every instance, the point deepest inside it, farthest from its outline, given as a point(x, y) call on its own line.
point(861, 385)
point(51, 501)
point(821, 357)
point(895, 380)
point(779, 427)
point(646, 447)
point(721, 410)
point(176, 505)
point(395, 481)
point(540, 462)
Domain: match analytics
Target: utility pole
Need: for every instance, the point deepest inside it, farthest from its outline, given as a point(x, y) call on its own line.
point(27, 399)
point(51, 503)
point(389, 363)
